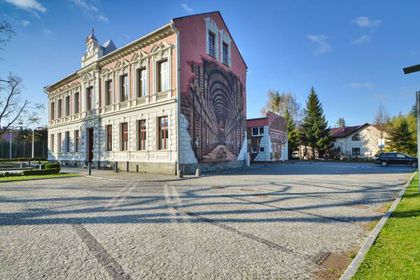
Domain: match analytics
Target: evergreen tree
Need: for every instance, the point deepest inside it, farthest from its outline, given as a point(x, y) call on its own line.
point(401, 138)
point(292, 134)
point(315, 131)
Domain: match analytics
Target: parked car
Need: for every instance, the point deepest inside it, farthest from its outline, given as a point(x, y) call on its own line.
point(385, 159)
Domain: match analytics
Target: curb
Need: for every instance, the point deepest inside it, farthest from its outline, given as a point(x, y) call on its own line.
point(354, 265)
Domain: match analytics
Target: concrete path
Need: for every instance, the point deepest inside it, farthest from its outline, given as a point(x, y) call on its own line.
point(286, 221)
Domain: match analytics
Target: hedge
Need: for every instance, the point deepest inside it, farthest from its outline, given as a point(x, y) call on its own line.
point(41, 172)
point(22, 159)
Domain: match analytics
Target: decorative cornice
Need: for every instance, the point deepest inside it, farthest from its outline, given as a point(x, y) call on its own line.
point(118, 54)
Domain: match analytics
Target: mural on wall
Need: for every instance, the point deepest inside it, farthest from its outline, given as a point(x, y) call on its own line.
point(278, 135)
point(214, 108)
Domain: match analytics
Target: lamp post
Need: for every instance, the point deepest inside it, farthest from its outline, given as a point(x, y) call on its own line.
point(409, 70)
point(33, 121)
point(10, 143)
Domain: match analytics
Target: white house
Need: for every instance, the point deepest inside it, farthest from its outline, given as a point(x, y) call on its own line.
point(361, 141)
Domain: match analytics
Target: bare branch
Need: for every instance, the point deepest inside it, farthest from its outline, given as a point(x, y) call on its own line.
point(6, 33)
point(11, 108)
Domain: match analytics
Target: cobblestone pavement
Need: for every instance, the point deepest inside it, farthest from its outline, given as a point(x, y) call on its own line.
point(272, 222)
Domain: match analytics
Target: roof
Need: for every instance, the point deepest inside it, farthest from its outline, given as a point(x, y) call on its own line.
point(345, 131)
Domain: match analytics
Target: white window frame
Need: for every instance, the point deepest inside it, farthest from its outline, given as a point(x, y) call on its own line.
point(212, 27)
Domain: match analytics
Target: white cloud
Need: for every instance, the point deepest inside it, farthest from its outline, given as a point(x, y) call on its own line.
point(187, 8)
point(48, 32)
point(362, 39)
point(25, 22)
point(84, 5)
point(360, 85)
point(365, 22)
point(103, 18)
point(89, 8)
point(29, 5)
point(320, 42)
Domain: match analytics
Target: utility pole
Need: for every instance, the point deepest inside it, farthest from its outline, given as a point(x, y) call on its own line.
point(409, 70)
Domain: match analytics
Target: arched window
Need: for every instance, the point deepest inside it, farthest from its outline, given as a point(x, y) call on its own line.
point(356, 137)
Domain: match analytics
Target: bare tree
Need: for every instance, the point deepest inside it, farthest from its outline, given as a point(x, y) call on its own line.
point(6, 33)
point(279, 103)
point(341, 122)
point(12, 107)
point(381, 120)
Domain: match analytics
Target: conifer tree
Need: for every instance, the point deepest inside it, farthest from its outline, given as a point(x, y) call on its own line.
point(315, 131)
point(292, 134)
point(401, 138)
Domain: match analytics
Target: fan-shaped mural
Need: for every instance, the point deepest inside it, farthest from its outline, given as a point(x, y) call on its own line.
point(214, 108)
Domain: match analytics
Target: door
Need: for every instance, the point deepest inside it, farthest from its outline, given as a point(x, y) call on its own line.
point(90, 144)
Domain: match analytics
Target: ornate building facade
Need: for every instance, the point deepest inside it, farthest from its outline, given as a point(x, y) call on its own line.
point(172, 100)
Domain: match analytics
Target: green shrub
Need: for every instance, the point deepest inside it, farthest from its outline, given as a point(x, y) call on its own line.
point(52, 165)
point(10, 174)
point(41, 172)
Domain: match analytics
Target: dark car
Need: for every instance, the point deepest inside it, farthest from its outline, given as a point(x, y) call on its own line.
point(386, 159)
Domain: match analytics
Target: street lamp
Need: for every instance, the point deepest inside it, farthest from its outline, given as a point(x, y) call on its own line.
point(409, 70)
point(33, 121)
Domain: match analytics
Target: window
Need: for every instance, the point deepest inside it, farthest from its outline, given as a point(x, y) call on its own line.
point(52, 143)
point(142, 82)
point(89, 96)
point(261, 149)
point(124, 88)
point(76, 140)
point(355, 151)
point(212, 44)
point(52, 110)
point(67, 105)
point(163, 75)
point(60, 106)
point(163, 133)
point(258, 131)
point(225, 53)
point(401, 156)
point(67, 141)
point(76, 103)
point(108, 130)
point(124, 136)
point(108, 92)
point(59, 143)
point(141, 140)
point(255, 131)
point(356, 137)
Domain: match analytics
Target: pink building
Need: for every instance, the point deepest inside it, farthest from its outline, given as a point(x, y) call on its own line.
point(171, 100)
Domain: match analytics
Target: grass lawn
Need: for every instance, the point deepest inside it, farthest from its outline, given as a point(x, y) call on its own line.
point(396, 252)
point(35, 177)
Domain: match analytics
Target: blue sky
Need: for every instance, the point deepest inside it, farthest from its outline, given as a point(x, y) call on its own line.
point(352, 52)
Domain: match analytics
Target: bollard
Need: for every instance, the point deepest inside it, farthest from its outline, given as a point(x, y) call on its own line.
point(179, 173)
point(197, 172)
point(116, 167)
point(90, 168)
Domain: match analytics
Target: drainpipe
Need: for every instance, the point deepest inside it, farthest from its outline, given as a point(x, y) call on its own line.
point(178, 97)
